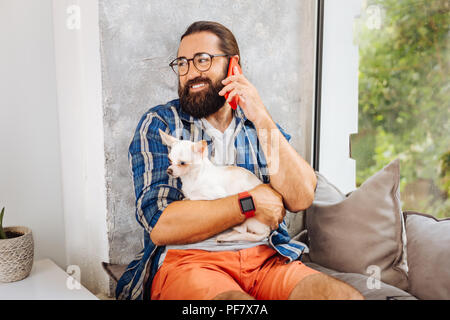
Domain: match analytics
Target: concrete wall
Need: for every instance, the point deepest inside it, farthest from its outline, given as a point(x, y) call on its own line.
point(276, 40)
point(30, 167)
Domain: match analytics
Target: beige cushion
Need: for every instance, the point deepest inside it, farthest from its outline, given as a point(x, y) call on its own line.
point(428, 256)
point(325, 193)
point(360, 282)
point(362, 232)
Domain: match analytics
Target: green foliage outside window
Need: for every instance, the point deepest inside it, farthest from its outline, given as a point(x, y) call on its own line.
point(404, 99)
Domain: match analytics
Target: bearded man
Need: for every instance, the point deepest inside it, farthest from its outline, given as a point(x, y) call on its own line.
point(181, 259)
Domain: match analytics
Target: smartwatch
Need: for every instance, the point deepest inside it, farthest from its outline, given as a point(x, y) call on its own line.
point(246, 204)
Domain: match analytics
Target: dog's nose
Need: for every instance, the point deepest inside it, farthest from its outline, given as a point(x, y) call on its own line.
point(169, 171)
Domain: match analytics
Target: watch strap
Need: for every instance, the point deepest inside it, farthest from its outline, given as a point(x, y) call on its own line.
point(248, 213)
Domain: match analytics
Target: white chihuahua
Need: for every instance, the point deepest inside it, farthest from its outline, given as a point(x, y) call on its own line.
point(202, 180)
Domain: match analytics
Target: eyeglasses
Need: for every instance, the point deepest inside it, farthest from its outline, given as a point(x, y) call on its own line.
point(201, 60)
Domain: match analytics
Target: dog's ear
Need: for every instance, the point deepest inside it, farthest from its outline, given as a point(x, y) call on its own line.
point(201, 147)
point(168, 140)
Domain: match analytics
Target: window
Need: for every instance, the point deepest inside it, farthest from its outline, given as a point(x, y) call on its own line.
point(337, 111)
point(403, 98)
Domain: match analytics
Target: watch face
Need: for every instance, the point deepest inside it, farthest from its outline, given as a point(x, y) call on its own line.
point(247, 204)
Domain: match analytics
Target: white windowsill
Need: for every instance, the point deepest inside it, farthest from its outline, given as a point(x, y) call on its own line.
point(46, 282)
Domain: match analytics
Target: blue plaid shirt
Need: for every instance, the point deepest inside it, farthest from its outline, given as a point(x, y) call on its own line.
point(155, 189)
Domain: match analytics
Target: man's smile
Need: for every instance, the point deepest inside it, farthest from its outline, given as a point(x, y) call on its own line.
point(198, 86)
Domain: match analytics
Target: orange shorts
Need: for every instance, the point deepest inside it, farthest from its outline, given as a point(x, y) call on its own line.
point(198, 275)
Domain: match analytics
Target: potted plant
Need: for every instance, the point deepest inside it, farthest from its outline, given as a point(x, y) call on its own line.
point(16, 252)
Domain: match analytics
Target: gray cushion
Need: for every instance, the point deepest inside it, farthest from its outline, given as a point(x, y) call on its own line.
point(295, 223)
point(365, 285)
point(428, 256)
point(325, 192)
point(362, 231)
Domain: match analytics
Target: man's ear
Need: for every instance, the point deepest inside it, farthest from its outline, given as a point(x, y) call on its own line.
point(200, 147)
point(168, 140)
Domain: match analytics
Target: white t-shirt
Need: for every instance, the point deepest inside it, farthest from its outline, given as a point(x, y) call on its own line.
point(223, 146)
point(224, 154)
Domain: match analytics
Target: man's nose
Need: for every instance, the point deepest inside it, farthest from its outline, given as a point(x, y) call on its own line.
point(169, 171)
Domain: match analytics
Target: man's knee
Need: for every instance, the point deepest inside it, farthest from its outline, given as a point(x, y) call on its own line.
point(233, 295)
point(323, 287)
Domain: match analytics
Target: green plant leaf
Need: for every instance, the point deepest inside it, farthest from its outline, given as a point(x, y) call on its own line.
point(2, 232)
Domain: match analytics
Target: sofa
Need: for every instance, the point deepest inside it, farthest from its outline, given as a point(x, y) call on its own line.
point(364, 239)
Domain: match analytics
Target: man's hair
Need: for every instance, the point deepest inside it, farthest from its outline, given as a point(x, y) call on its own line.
point(228, 43)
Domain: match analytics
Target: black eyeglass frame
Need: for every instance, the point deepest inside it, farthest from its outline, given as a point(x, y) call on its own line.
point(212, 56)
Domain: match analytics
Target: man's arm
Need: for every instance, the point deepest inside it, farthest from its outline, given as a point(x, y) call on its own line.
point(289, 173)
point(191, 221)
point(292, 176)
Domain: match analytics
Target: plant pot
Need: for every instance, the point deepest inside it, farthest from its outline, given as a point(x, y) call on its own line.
point(16, 255)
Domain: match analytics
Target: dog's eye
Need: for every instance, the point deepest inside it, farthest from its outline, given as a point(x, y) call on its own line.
point(182, 163)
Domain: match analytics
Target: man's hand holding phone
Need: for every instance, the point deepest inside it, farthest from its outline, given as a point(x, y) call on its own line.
point(237, 87)
point(233, 69)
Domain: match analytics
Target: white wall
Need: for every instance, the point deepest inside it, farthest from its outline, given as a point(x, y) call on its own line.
point(339, 110)
point(30, 170)
point(52, 176)
point(78, 72)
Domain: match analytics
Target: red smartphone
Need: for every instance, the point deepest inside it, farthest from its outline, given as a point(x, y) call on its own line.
point(233, 63)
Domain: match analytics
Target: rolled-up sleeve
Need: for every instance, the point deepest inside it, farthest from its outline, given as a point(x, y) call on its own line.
point(285, 134)
point(148, 157)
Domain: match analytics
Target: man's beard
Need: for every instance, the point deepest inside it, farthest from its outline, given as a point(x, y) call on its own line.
point(203, 103)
